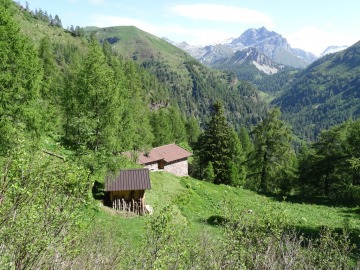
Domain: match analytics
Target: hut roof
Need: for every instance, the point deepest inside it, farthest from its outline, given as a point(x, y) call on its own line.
point(169, 153)
point(134, 179)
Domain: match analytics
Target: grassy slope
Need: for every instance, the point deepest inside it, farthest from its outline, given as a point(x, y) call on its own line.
point(195, 201)
point(134, 43)
point(36, 30)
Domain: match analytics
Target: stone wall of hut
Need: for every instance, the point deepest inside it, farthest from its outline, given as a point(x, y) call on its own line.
point(178, 167)
point(152, 166)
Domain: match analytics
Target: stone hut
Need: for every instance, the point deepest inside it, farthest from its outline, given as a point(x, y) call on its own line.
point(170, 158)
point(127, 190)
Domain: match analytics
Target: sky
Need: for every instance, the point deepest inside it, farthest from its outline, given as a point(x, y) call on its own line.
point(310, 25)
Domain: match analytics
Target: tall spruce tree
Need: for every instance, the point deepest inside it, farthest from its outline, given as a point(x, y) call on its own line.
point(270, 160)
point(214, 146)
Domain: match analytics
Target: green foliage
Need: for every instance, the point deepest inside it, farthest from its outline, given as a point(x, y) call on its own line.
point(192, 130)
point(91, 103)
point(247, 231)
point(168, 126)
point(209, 174)
point(324, 94)
point(237, 165)
point(330, 166)
point(265, 240)
point(246, 143)
point(193, 86)
point(271, 162)
point(218, 152)
point(214, 146)
point(42, 198)
point(20, 74)
point(102, 101)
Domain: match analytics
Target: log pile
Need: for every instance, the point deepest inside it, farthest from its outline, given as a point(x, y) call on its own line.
point(135, 206)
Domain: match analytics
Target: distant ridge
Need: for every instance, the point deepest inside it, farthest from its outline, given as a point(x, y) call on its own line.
point(326, 93)
point(269, 43)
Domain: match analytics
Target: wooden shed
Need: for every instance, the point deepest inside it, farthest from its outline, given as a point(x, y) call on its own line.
point(127, 190)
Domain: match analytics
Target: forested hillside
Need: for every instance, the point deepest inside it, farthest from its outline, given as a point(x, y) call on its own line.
point(324, 94)
point(193, 86)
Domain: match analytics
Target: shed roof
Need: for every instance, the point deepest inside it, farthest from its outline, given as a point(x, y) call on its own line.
point(134, 179)
point(169, 153)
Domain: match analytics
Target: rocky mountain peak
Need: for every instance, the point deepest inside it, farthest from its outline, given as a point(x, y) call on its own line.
point(269, 43)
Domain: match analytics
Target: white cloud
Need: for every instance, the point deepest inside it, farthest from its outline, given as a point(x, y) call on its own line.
point(222, 13)
point(316, 40)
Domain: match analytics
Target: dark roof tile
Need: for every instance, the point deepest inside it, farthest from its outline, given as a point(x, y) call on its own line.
point(134, 179)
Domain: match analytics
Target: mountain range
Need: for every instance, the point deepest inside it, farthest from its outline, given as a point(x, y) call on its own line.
point(271, 44)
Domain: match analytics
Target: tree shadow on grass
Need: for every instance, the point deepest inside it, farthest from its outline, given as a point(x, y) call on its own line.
point(318, 200)
point(351, 213)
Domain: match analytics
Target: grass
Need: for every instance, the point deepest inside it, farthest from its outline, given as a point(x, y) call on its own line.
point(129, 40)
point(196, 201)
point(36, 30)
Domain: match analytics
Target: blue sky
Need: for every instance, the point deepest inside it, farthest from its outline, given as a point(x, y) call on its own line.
point(309, 25)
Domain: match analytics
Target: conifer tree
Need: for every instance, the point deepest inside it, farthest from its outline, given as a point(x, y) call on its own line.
point(177, 125)
point(92, 105)
point(137, 114)
point(331, 165)
point(209, 174)
point(246, 143)
point(20, 75)
point(161, 127)
point(214, 146)
point(192, 130)
point(238, 167)
point(269, 161)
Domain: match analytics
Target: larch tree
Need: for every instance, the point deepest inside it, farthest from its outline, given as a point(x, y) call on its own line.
point(238, 167)
point(161, 127)
point(330, 166)
point(92, 105)
point(177, 125)
point(269, 162)
point(246, 143)
point(192, 130)
point(20, 75)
